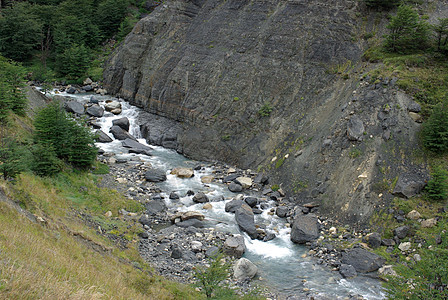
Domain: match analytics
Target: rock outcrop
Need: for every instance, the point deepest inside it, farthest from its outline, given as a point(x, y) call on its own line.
point(275, 85)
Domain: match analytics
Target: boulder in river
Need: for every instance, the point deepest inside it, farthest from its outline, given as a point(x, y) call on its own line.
point(235, 187)
point(244, 269)
point(111, 105)
point(200, 198)
point(74, 107)
point(362, 260)
point(234, 246)
point(245, 219)
point(122, 122)
point(121, 134)
point(233, 205)
point(183, 172)
point(102, 137)
point(245, 182)
point(95, 111)
point(347, 271)
point(155, 176)
point(305, 228)
point(136, 147)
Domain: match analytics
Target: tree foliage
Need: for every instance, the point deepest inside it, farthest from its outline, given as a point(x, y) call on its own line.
point(70, 140)
point(441, 31)
point(435, 129)
point(20, 32)
point(45, 162)
point(210, 278)
point(437, 188)
point(408, 32)
point(11, 84)
point(13, 157)
point(74, 62)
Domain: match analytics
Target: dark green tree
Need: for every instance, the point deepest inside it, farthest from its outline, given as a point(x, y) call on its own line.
point(408, 32)
point(437, 188)
point(109, 16)
point(70, 140)
point(441, 31)
point(435, 129)
point(45, 161)
point(82, 151)
point(12, 97)
point(74, 62)
point(20, 32)
point(13, 157)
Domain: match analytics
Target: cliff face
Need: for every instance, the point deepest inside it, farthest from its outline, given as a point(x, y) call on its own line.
point(204, 69)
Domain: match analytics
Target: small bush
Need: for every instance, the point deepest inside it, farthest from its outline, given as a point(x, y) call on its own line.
point(265, 110)
point(437, 188)
point(210, 278)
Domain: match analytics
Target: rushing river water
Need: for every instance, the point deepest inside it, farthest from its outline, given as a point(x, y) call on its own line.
point(280, 261)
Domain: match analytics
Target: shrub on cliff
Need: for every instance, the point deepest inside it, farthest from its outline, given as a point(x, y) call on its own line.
point(408, 32)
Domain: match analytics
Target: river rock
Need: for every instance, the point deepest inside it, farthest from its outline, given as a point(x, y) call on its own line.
point(244, 269)
point(207, 206)
point(112, 105)
point(116, 111)
point(355, 129)
point(192, 215)
point(413, 215)
point(74, 107)
point(136, 147)
point(94, 99)
point(122, 122)
point(183, 172)
point(233, 205)
point(362, 260)
point(87, 81)
point(251, 201)
point(401, 232)
point(282, 211)
point(174, 196)
point(235, 187)
point(347, 271)
point(234, 246)
point(305, 228)
point(429, 223)
point(95, 111)
point(191, 222)
point(102, 137)
point(374, 240)
point(87, 88)
point(200, 198)
point(207, 179)
point(230, 178)
point(245, 219)
point(121, 134)
point(154, 207)
point(155, 176)
point(245, 182)
point(409, 185)
point(71, 90)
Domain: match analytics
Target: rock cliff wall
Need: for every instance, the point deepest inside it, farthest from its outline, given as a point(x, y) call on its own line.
point(205, 69)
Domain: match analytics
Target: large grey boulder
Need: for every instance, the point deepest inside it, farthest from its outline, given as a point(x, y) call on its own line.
point(401, 232)
point(155, 176)
point(347, 271)
point(245, 219)
point(235, 187)
point(154, 207)
point(409, 185)
point(234, 246)
point(362, 260)
point(112, 105)
point(233, 205)
point(244, 270)
point(305, 228)
point(102, 137)
point(122, 122)
point(74, 107)
point(136, 147)
point(121, 134)
point(95, 111)
point(355, 129)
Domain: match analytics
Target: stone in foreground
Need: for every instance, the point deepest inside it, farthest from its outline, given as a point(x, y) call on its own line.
point(244, 269)
point(305, 228)
point(362, 260)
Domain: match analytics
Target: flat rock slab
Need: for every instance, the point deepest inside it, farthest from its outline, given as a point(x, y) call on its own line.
point(102, 137)
point(409, 185)
point(155, 176)
point(362, 260)
point(95, 111)
point(182, 172)
point(136, 147)
point(74, 107)
point(121, 134)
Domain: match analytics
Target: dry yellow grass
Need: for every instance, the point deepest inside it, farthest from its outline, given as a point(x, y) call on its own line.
point(47, 261)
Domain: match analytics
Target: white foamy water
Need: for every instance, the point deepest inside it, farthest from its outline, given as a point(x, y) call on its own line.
point(280, 262)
